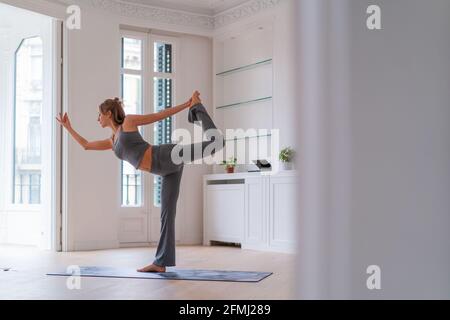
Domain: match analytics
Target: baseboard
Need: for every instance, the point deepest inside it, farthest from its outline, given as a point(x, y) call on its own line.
point(149, 244)
point(137, 244)
point(95, 245)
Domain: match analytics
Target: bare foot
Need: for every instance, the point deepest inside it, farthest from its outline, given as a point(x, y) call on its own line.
point(152, 268)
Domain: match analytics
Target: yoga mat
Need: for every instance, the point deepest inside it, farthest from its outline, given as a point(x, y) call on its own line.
point(170, 274)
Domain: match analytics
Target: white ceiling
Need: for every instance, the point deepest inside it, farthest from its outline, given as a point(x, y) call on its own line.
point(208, 7)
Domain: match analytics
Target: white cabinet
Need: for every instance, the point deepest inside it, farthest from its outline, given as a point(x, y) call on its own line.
point(257, 211)
point(255, 214)
point(282, 213)
point(224, 204)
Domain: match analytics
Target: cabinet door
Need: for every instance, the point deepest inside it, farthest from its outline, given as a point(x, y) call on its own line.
point(224, 218)
point(282, 213)
point(255, 217)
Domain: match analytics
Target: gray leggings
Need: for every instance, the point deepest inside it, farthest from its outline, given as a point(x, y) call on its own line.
point(171, 174)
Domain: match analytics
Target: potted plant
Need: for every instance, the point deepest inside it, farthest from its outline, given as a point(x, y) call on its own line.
point(286, 156)
point(230, 164)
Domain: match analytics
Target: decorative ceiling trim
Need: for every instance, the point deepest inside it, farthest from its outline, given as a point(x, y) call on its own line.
point(162, 15)
point(243, 11)
point(183, 18)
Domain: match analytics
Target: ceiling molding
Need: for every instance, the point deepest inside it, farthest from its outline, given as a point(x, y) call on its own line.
point(162, 15)
point(183, 18)
point(243, 11)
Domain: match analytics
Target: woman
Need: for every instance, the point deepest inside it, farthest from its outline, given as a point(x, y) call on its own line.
point(128, 145)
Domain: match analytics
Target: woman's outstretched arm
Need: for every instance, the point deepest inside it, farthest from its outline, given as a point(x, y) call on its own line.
point(141, 120)
point(94, 145)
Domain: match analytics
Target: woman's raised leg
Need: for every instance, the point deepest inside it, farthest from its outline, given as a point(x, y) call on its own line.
point(215, 140)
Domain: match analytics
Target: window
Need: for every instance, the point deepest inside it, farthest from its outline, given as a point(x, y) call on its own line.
point(132, 77)
point(27, 122)
point(139, 79)
point(163, 98)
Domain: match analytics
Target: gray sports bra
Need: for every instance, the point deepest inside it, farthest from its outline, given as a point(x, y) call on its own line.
point(130, 146)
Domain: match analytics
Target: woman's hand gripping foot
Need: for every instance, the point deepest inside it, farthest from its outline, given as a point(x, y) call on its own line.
point(195, 99)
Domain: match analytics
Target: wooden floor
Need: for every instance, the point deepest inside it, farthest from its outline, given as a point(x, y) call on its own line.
point(28, 278)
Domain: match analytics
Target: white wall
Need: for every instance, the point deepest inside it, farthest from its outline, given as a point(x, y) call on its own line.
point(285, 85)
point(93, 76)
point(381, 97)
point(195, 72)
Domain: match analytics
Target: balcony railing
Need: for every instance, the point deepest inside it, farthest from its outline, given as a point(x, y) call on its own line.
point(24, 157)
point(132, 189)
point(27, 188)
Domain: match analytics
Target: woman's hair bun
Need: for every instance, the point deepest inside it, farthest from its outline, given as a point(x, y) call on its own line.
point(116, 107)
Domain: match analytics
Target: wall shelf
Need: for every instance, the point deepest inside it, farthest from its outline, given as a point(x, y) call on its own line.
point(243, 83)
point(246, 67)
point(244, 102)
